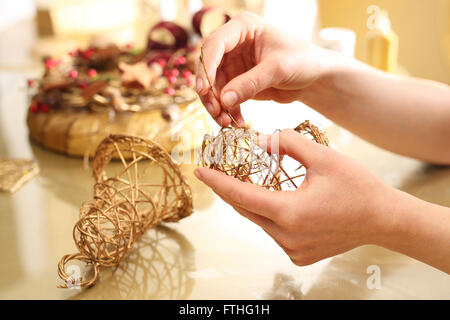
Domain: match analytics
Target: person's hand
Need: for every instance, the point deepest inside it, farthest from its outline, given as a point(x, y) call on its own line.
point(248, 59)
point(339, 206)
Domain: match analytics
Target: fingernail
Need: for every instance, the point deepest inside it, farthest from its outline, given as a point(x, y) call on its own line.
point(209, 107)
point(230, 98)
point(197, 173)
point(199, 85)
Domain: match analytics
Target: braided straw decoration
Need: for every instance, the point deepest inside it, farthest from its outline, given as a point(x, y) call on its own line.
point(235, 152)
point(137, 195)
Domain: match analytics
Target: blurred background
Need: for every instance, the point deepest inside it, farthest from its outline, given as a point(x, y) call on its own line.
point(32, 28)
point(423, 29)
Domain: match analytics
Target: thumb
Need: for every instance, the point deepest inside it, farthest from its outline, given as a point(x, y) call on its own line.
point(295, 145)
point(246, 85)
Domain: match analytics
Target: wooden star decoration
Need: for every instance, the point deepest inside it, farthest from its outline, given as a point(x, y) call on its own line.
point(139, 73)
point(14, 173)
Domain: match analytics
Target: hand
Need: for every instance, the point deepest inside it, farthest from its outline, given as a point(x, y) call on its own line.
point(339, 206)
point(248, 59)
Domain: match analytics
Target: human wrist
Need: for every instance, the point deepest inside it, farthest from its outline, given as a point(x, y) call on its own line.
point(418, 229)
point(326, 90)
point(383, 222)
point(395, 219)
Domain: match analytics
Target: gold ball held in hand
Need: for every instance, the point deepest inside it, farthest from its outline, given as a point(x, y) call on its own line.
point(235, 152)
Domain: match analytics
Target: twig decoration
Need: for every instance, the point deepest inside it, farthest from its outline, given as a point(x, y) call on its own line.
point(125, 205)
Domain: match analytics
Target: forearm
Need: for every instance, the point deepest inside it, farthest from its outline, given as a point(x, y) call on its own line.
point(416, 228)
point(404, 115)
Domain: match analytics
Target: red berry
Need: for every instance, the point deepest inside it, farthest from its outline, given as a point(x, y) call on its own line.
point(172, 79)
point(174, 72)
point(34, 107)
point(187, 74)
point(44, 108)
point(88, 53)
point(189, 81)
point(83, 85)
point(162, 62)
point(50, 63)
point(30, 82)
point(180, 61)
point(92, 73)
point(73, 74)
point(170, 91)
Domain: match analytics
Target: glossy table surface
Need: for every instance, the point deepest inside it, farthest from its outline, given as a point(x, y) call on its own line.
point(213, 254)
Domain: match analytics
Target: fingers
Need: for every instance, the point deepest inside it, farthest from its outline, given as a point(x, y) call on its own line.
point(249, 84)
point(214, 108)
point(211, 104)
point(241, 194)
point(237, 116)
point(223, 40)
point(294, 145)
point(224, 120)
